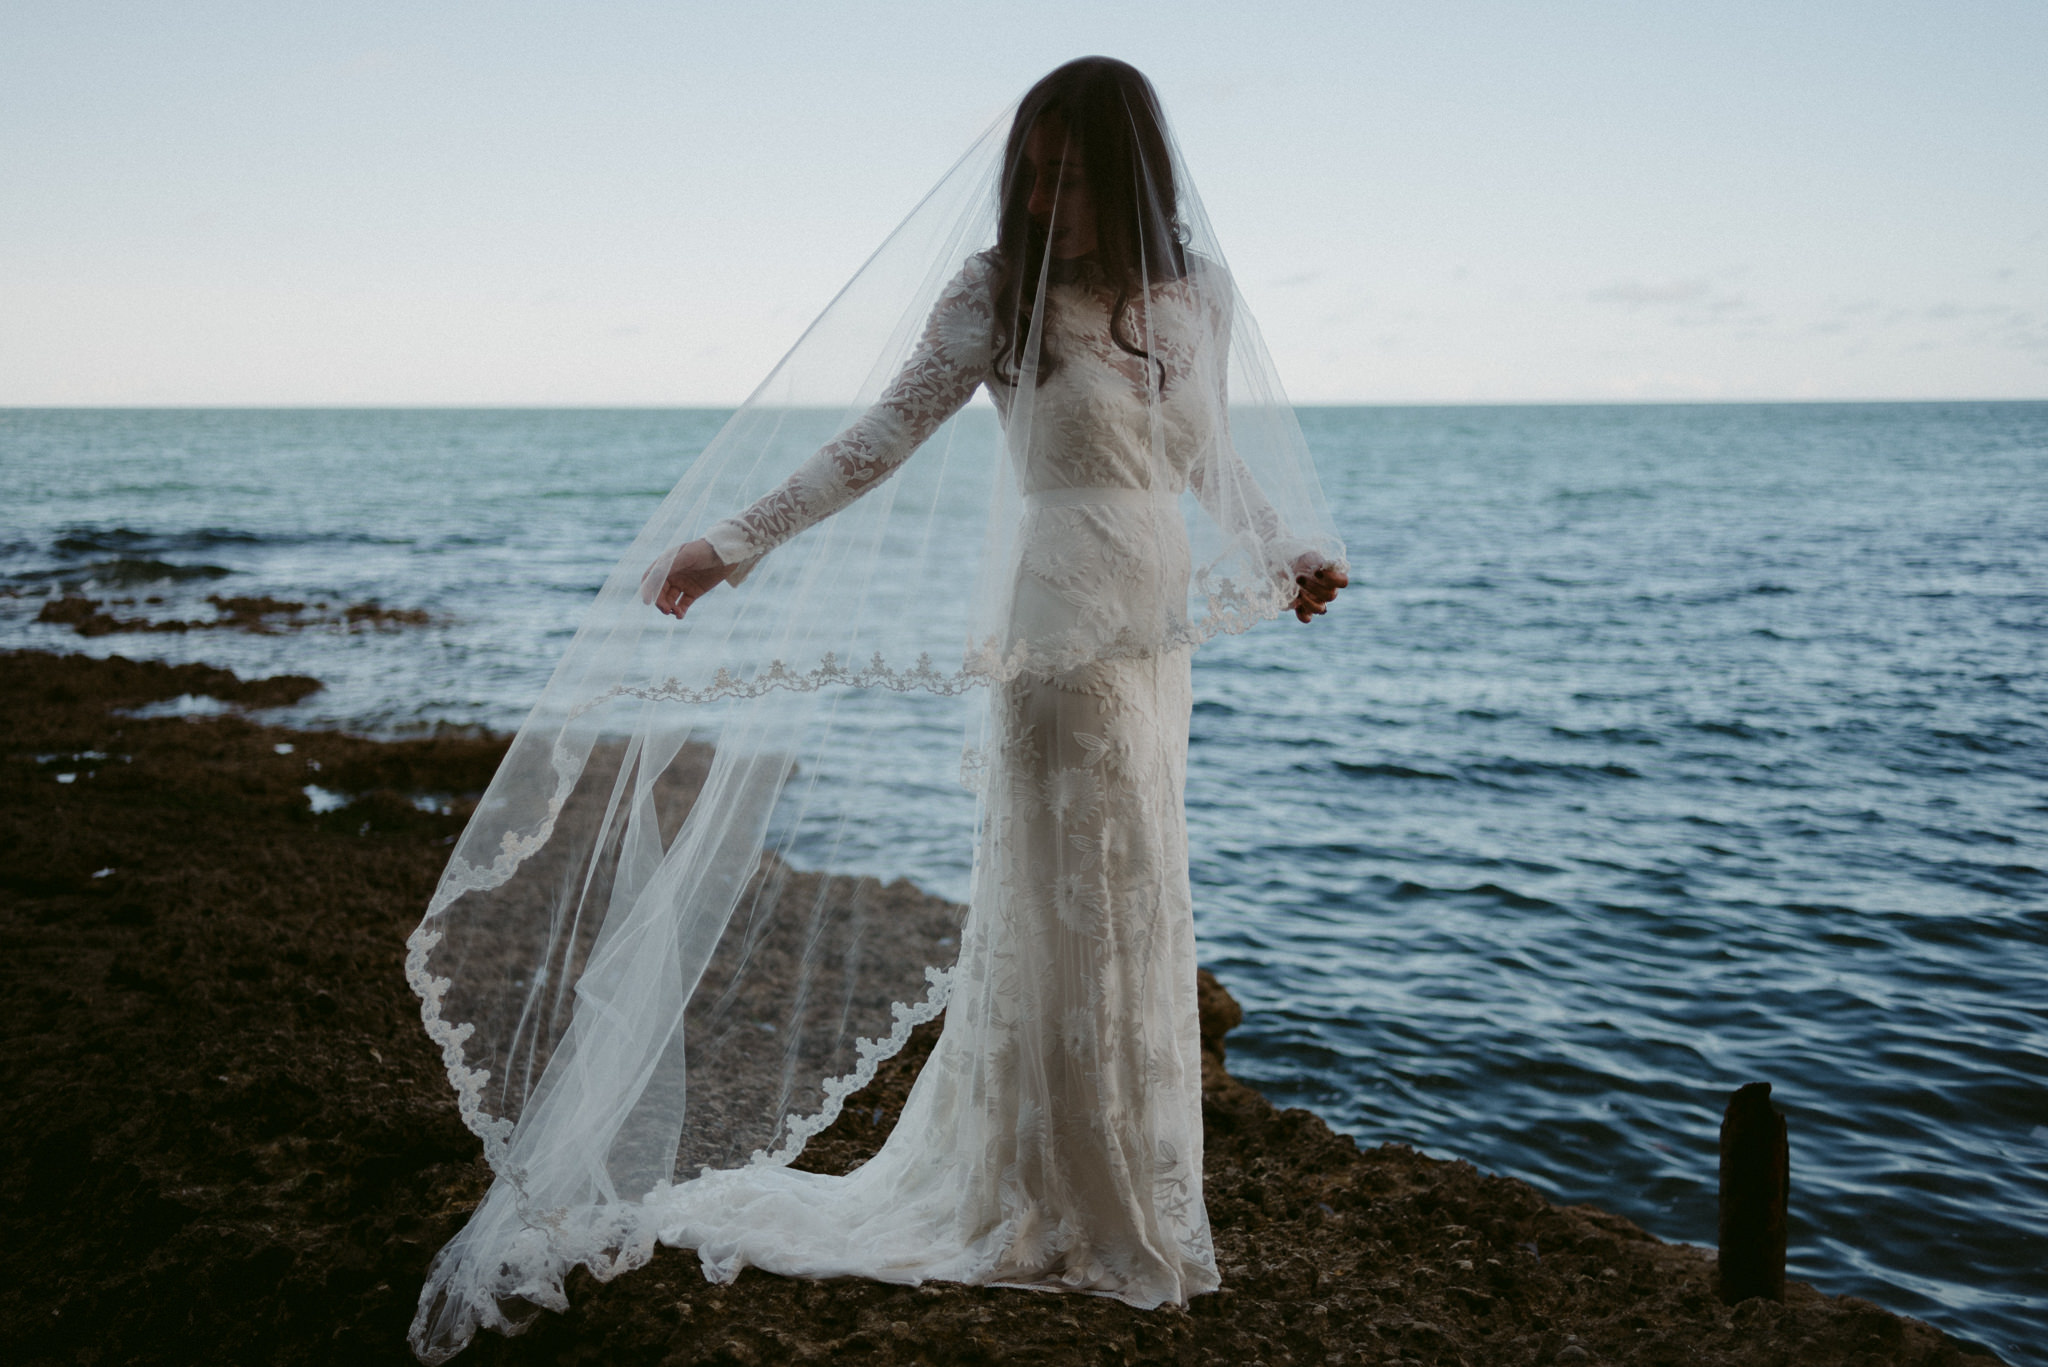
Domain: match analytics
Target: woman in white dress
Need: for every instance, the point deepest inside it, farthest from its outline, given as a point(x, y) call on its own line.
point(1054, 1138)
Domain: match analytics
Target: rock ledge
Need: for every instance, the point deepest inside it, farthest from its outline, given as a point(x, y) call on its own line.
point(228, 1140)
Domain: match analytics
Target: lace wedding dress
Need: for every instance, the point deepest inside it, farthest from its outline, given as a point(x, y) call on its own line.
point(1055, 1137)
point(646, 1010)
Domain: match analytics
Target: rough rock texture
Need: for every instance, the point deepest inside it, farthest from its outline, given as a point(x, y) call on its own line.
point(264, 616)
point(225, 1138)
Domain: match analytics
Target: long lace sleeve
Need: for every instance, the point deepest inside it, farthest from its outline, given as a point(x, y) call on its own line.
point(951, 360)
point(1223, 482)
point(1240, 507)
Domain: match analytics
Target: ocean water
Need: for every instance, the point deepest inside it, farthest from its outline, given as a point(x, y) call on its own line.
point(1655, 750)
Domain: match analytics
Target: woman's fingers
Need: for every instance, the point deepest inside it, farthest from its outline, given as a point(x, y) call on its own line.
point(680, 576)
point(1307, 605)
point(677, 595)
point(1316, 588)
point(656, 577)
point(666, 593)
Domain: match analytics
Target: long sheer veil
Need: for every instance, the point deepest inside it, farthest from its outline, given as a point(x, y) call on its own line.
point(629, 975)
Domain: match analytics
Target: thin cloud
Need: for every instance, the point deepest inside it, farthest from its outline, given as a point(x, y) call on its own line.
point(1687, 303)
point(1948, 310)
point(1946, 323)
point(1638, 294)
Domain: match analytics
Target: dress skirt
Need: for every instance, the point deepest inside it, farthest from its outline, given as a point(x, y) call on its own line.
point(1054, 1137)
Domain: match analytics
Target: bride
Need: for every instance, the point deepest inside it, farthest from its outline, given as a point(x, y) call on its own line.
point(627, 883)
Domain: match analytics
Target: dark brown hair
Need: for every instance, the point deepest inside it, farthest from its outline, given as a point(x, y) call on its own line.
point(1110, 118)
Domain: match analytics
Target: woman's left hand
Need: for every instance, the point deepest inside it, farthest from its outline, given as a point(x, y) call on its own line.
point(1316, 583)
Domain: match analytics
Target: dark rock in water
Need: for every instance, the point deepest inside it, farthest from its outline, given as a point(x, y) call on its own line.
point(88, 617)
point(259, 615)
point(1756, 1179)
point(228, 1140)
point(80, 690)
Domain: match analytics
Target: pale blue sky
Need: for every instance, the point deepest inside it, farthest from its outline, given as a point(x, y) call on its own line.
point(423, 203)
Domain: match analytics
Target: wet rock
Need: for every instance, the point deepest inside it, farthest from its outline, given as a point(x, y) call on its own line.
point(228, 1139)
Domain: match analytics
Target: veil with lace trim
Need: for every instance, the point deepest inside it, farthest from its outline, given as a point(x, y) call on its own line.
point(994, 496)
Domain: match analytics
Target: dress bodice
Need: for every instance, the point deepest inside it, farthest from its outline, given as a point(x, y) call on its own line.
point(1104, 417)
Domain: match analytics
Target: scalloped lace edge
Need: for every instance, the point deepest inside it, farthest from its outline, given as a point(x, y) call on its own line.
point(873, 1053)
point(622, 1238)
point(469, 1083)
point(1232, 611)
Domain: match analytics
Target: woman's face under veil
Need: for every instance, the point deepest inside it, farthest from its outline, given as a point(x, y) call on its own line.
point(1060, 202)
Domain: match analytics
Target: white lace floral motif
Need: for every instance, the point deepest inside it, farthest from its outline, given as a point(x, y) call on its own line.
point(950, 363)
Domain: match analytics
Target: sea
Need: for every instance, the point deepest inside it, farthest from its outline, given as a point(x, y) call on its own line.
point(1655, 750)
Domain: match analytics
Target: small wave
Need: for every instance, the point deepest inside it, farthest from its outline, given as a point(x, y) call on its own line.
point(122, 541)
point(1983, 745)
point(1618, 493)
point(1408, 890)
point(1950, 932)
point(1974, 836)
point(1707, 597)
point(128, 573)
point(129, 543)
point(1525, 865)
point(1614, 735)
point(1741, 730)
point(1534, 768)
point(1390, 771)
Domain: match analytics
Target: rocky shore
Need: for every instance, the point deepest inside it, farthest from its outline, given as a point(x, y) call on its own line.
point(226, 1139)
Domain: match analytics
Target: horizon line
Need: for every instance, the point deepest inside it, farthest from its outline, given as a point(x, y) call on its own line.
point(700, 407)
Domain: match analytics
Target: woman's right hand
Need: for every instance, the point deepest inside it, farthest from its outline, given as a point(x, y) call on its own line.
point(679, 577)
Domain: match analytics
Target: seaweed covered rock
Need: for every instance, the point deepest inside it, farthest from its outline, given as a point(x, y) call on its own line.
point(227, 1139)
